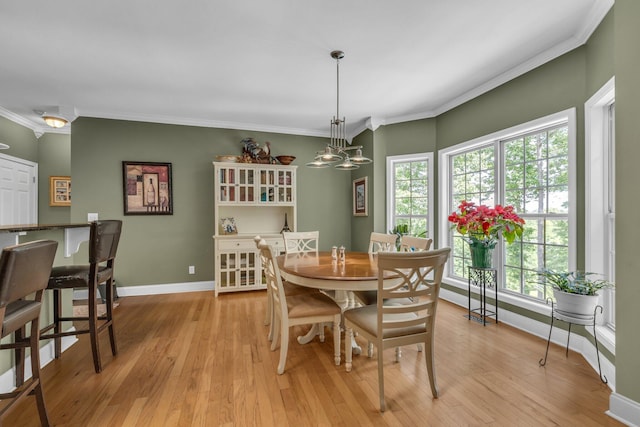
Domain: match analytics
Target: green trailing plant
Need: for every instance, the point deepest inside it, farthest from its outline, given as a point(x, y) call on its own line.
point(573, 282)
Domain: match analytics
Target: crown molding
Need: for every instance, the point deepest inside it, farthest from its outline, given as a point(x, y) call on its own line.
point(221, 124)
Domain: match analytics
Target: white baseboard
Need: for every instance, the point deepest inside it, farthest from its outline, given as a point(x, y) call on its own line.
point(47, 354)
point(577, 343)
point(624, 410)
point(169, 288)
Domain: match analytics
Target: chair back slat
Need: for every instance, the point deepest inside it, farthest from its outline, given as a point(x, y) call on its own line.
point(300, 241)
point(382, 242)
point(271, 273)
point(414, 244)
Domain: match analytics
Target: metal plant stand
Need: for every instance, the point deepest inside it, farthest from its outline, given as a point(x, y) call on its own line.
point(573, 320)
point(483, 278)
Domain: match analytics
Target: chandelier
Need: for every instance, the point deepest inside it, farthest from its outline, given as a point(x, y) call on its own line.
point(337, 149)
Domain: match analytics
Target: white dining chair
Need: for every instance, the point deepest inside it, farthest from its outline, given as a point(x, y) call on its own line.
point(377, 242)
point(297, 242)
point(382, 242)
point(300, 241)
point(414, 244)
point(389, 325)
point(289, 289)
point(292, 310)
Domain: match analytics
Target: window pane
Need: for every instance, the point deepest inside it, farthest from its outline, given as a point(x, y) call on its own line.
point(534, 179)
point(410, 194)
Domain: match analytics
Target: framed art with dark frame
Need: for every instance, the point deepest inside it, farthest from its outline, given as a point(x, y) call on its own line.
point(360, 197)
point(59, 191)
point(147, 188)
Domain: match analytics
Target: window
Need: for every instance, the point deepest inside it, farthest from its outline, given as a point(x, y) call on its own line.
point(410, 193)
point(529, 167)
point(600, 193)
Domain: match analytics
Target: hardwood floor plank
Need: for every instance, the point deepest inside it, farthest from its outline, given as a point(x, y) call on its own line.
point(195, 360)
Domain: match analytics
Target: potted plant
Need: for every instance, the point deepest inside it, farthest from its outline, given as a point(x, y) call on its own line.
point(481, 226)
point(399, 230)
point(576, 292)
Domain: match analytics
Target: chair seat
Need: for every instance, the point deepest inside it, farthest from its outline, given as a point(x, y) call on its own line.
point(311, 304)
point(75, 276)
point(371, 298)
point(18, 314)
point(366, 319)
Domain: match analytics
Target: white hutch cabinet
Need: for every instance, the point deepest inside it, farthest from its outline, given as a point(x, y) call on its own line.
point(256, 198)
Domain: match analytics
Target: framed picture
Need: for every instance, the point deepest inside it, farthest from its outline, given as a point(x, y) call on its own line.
point(228, 226)
point(59, 191)
point(360, 197)
point(147, 188)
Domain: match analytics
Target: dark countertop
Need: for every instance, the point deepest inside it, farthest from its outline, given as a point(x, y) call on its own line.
point(36, 227)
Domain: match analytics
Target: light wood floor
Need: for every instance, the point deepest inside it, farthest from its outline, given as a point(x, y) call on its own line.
point(191, 359)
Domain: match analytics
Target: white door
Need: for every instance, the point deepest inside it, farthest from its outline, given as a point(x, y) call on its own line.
point(18, 191)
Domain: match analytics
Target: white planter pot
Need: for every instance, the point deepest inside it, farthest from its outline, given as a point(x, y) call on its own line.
point(583, 305)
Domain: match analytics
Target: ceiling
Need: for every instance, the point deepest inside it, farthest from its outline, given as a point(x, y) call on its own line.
point(266, 65)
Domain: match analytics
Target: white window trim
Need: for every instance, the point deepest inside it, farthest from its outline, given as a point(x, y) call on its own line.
point(569, 116)
point(391, 160)
point(596, 242)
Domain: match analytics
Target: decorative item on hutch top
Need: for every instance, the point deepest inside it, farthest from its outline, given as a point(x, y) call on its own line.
point(147, 188)
point(481, 226)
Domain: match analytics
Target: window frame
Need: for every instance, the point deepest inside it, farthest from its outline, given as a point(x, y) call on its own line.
point(404, 158)
point(445, 183)
point(599, 192)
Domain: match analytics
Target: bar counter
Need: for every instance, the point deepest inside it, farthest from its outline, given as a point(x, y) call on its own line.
point(74, 234)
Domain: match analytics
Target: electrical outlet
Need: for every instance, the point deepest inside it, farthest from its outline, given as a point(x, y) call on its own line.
point(192, 269)
point(92, 217)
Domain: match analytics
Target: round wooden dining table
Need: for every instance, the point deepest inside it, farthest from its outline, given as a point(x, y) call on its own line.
point(358, 272)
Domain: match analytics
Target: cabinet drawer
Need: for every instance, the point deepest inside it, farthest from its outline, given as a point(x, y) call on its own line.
point(230, 245)
point(275, 243)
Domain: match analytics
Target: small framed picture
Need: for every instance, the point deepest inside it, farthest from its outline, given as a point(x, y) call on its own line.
point(360, 197)
point(59, 191)
point(228, 226)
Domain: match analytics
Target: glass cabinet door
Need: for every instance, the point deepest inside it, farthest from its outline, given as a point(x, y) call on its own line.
point(285, 192)
point(268, 185)
point(227, 182)
point(246, 185)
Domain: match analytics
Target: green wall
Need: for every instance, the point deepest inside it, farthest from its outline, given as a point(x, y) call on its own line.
point(158, 249)
point(21, 140)
point(627, 64)
point(362, 226)
point(54, 154)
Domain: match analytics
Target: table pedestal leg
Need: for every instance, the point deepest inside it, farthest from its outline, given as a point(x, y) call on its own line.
point(343, 300)
point(309, 336)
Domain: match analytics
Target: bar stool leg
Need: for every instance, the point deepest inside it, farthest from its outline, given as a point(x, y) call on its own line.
point(93, 332)
point(109, 303)
point(20, 355)
point(34, 344)
point(57, 314)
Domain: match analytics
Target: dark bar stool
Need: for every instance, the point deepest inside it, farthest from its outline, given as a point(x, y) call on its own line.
point(24, 270)
point(103, 244)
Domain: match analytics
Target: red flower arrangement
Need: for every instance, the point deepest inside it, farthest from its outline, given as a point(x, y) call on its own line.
point(482, 225)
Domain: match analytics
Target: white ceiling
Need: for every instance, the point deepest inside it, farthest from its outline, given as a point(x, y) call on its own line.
point(265, 65)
